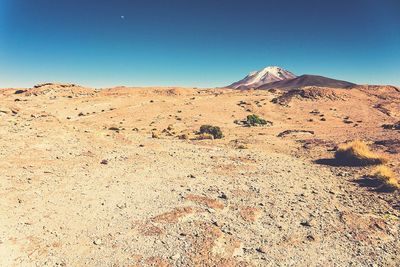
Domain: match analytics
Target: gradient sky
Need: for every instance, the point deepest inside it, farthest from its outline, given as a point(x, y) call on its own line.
point(203, 43)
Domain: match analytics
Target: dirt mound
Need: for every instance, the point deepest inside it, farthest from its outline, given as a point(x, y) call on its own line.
point(148, 91)
point(378, 90)
point(310, 93)
point(170, 91)
point(59, 89)
point(291, 132)
point(62, 85)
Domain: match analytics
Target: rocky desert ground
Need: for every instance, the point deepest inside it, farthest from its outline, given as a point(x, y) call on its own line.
point(119, 177)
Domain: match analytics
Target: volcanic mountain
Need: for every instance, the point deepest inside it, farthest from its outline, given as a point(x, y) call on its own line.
point(265, 76)
point(307, 80)
point(279, 78)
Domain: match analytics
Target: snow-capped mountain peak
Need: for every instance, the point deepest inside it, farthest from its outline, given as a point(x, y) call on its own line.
point(264, 76)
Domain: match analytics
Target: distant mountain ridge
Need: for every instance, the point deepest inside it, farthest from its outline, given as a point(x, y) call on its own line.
point(307, 80)
point(279, 78)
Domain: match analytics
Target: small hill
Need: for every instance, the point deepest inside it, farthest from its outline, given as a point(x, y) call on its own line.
point(307, 80)
point(59, 89)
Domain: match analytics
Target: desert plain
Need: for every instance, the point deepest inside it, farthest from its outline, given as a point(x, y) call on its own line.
point(119, 177)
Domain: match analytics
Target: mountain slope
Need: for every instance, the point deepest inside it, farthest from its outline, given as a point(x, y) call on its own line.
point(262, 77)
point(307, 80)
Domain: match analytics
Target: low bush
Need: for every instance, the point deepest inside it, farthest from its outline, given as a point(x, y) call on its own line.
point(357, 153)
point(254, 120)
point(215, 131)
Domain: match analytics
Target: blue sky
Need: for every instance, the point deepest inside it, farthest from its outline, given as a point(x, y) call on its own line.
point(195, 43)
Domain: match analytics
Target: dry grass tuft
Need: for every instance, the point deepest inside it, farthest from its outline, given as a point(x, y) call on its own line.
point(387, 177)
point(204, 136)
point(357, 153)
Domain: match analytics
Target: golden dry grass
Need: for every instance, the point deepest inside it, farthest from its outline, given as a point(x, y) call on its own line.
point(386, 176)
point(357, 153)
point(204, 136)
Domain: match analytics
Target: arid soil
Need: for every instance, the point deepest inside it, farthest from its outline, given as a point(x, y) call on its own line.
point(116, 177)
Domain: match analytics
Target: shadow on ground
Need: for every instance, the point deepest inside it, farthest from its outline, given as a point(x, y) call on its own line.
point(337, 163)
point(373, 184)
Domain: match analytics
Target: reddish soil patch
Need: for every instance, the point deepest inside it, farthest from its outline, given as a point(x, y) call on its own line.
point(174, 215)
point(209, 202)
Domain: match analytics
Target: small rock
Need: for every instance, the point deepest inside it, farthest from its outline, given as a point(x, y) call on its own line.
point(4, 111)
point(97, 242)
point(19, 92)
point(305, 223)
point(176, 256)
point(262, 249)
point(223, 196)
point(121, 206)
point(310, 238)
point(104, 162)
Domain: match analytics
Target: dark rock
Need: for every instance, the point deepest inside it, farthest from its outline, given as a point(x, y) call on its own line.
point(19, 92)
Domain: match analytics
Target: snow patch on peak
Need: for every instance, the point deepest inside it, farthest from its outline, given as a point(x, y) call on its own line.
point(266, 75)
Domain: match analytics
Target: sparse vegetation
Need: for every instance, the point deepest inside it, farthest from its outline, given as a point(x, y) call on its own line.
point(215, 131)
point(253, 120)
point(357, 153)
point(387, 177)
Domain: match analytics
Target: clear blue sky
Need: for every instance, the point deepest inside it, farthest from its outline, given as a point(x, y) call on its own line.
point(203, 43)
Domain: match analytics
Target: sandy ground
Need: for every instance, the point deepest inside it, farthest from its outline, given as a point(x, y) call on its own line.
point(83, 182)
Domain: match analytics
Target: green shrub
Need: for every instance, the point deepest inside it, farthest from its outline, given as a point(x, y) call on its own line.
point(215, 131)
point(254, 120)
